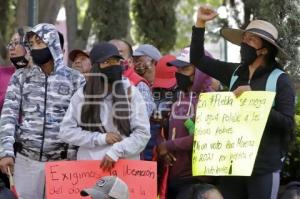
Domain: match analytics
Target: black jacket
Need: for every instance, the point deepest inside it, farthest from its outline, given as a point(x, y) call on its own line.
point(281, 119)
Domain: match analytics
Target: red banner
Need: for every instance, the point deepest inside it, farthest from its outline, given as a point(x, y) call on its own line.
point(65, 179)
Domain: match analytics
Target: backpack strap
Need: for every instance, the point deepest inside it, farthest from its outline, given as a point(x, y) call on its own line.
point(272, 81)
point(234, 77)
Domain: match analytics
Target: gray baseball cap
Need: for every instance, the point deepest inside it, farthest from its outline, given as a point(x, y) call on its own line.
point(148, 50)
point(107, 186)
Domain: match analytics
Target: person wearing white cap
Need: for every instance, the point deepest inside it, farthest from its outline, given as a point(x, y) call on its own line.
point(107, 187)
point(258, 71)
point(145, 58)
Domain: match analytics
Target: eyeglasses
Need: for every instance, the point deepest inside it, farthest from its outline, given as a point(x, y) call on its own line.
point(13, 44)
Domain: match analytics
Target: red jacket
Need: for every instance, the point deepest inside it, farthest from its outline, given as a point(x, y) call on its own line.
point(134, 77)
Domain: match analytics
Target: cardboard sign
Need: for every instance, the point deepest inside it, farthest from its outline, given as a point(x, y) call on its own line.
point(228, 132)
point(65, 179)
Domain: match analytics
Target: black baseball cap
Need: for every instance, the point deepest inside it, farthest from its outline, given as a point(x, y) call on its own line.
point(102, 51)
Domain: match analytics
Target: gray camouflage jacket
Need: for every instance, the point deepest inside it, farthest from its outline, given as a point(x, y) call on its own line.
point(44, 101)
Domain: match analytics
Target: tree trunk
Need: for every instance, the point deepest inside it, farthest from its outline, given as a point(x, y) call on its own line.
point(71, 15)
point(84, 33)
point(22, 13)
point(48, 10)
point(77, 38)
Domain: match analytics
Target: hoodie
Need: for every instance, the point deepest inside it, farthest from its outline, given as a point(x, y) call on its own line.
point(45, 99)
point(92, 145)
point(183, 109)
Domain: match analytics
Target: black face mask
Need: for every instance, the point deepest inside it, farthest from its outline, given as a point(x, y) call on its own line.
point(248, 54)
point(183, 81)
point(19, 62)
point(113, 73)
point(41, 56)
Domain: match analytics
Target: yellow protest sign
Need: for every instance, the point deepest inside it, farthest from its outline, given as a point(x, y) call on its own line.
point(228, 132)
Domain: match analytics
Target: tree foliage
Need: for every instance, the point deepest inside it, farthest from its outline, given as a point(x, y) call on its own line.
point(110, 18)
point(291, 169)
point(12, 16)
point(104, 19)
point(285, 16)
point(185, 11)
point(154, 22)
point(96, 20)
point(6, 24)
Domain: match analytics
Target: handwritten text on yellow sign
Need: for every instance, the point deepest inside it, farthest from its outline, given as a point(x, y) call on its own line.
point(228, 132)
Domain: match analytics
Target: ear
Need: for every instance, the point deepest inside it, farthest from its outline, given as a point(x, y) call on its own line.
point(264, 51)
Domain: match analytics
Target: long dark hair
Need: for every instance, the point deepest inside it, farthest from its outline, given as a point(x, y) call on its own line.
point(270, 57)
point(90, 112)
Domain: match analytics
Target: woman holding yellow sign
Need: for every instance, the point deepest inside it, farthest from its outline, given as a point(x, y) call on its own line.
point(258, 71)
